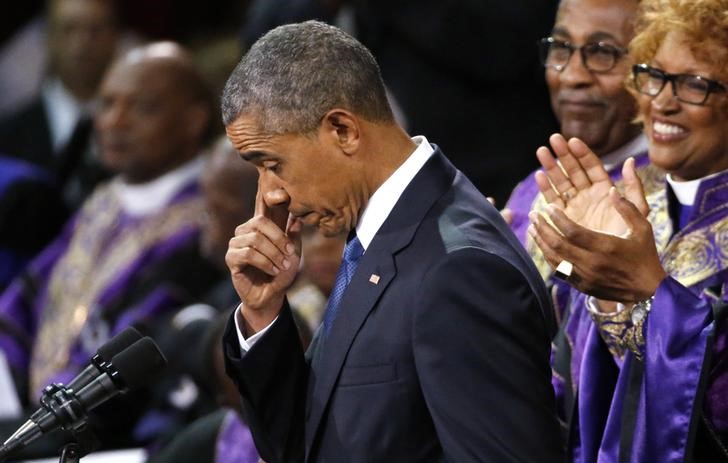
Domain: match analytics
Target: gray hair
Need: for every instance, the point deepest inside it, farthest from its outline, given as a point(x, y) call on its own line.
point(295, 73)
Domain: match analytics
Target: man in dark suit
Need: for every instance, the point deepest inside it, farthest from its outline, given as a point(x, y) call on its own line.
point(438, 348)
point(54, 131)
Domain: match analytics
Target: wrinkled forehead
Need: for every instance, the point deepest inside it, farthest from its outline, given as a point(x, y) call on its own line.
point(595, 20)
point(246, 132)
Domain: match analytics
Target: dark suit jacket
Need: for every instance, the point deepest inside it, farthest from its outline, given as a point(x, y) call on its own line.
point(26, 135)
point(445, 357)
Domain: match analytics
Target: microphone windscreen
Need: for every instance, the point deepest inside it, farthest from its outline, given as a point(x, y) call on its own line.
point(118, 343)
point(140, 361)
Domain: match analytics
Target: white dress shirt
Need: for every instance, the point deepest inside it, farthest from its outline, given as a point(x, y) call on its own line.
point(151, 197)
point(375, 213)
point(63, 112)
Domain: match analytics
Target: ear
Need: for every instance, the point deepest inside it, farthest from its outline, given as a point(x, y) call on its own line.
point(343, 128)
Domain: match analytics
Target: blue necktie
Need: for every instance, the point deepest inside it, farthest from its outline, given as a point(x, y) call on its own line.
point(352, 253)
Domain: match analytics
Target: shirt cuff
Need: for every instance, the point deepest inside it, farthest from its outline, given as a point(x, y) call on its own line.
point(247, 344)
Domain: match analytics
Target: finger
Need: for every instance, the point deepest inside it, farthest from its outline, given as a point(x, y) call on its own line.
point(264, 246)
point(589, 162)
point(239, 259)
point(294, 232)
point(569, 162)
point(260, 205)
point(633, 217)
point(551, 257)
point(277, 214)
point(633, 189)
point(270, 230)
point(553, 171)
point(491, 200)
point(547, 190)
point(507, 215)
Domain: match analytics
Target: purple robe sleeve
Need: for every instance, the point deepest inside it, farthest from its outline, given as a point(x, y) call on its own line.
point(520, 204)
point(22, 301)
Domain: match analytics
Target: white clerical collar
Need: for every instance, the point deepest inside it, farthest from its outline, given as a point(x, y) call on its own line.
point(686, 191)
point(383, 200)
point(631, 148)
point(63, 111)
point(151, 197)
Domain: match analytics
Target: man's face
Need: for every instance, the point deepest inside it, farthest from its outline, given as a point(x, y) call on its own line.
point(594, 106)
point(307, 174)
point(143, 119)
point(81, 42)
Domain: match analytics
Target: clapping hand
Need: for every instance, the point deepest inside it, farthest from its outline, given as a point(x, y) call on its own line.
point(605, 237)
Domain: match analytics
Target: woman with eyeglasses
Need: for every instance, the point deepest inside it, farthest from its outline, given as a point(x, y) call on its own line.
point(643, 352)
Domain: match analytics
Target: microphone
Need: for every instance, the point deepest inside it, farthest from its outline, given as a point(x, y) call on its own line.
point(103, 355)
point(67, 409)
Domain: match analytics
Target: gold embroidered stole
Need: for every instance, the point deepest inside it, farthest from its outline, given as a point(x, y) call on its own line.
point(693, 256)
point(90, 265)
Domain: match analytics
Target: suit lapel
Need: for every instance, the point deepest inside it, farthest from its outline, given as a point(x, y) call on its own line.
point(375, 272)
point(358, 300)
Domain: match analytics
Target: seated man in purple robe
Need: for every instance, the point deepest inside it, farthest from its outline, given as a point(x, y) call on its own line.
point(586, 65)
point(643, 358)
point(131, 253)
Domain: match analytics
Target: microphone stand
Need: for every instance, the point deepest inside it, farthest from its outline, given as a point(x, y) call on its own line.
point(84, 440)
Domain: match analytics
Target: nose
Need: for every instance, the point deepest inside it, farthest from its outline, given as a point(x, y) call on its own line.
point(665, 101)
point(112, 115)
point(273, 193)
point(575, 72)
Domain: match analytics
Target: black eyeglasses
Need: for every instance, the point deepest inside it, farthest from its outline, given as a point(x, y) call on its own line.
point(687, 88)
point(597, 56)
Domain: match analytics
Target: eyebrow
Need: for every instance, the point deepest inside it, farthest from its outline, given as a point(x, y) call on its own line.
point(251, 156)
point(597, 36)
point(689, 71)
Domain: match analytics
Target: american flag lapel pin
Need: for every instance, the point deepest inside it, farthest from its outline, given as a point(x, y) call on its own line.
point(374, 279)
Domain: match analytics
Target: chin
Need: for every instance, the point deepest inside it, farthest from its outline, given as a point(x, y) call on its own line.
point(331, 227)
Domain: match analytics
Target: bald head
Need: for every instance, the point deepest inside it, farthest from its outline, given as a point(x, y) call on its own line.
point(230, 185)
point(155, 112)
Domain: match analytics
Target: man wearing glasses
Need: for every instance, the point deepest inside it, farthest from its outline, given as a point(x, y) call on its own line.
point(586, 69)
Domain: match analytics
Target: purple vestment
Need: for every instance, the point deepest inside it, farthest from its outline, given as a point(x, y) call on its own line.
point(650, 409)
point(234, 442)
point(106, 271)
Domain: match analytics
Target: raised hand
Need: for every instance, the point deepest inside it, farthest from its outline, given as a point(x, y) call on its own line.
point(580, 185)
point(604, 236)
point(263, 259)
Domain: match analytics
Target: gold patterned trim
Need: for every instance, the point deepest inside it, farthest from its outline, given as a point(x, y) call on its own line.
point(613, 328)
point(97, 253)
point(689, 257)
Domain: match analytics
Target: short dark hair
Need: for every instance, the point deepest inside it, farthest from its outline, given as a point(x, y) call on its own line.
point(295, 73)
